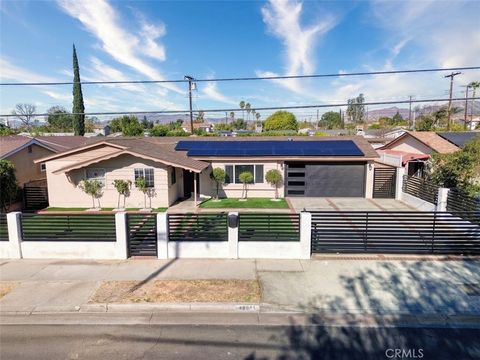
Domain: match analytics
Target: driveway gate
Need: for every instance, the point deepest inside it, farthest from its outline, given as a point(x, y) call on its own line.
point(396, 232)
point(142, 234)
point(384, 180)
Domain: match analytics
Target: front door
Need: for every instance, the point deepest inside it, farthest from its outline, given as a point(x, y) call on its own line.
point(187, 183)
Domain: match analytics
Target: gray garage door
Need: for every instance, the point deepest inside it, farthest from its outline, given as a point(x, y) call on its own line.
point(325, 179)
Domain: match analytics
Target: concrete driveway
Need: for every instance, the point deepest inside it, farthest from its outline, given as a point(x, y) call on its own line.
point(348, 204)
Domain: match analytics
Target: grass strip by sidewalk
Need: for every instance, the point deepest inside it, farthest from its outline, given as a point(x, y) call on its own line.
point(170, 291)
point(252, 203)
point(6, 287)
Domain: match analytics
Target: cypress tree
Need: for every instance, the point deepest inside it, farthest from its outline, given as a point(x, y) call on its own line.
point(78, 107)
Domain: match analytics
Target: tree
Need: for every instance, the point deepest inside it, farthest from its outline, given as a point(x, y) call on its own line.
point(200, 117)
point(146, 124)
point(356, 109)
point(246, 178)
point(59, 119)
point(160, 130)
point(473, 85)
point(218, 175)
point(330, 120)
point(92, 188)
point(281, 120)
point(141, 184)
point(460, 169)
point(25, 113)
point(78, 107)
point(274, 178)
point(8, 180)
point(242, 106)
point(239, 124)
point(123, 189)
point(128, 125)
point(397, 119)
point(223, 127)
point(424, 123)
point(258, 116)
point(248, 108)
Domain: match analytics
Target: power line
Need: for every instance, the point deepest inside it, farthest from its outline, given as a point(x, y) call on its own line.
point(244, 78)
point(257, 109)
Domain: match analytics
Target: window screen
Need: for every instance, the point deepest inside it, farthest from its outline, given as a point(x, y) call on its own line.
point(147, 174)
point(258, 174)
point(96, 174)
point(228, 174)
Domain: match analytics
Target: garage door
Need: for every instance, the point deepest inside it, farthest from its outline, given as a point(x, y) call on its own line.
point(325, 179)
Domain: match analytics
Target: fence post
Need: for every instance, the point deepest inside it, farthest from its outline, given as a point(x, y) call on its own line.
point(233, 236)
point(442, 199)
point(162, 235)
point(121, 230)
point(399, 183)
point(14, 224)
point(305, 235)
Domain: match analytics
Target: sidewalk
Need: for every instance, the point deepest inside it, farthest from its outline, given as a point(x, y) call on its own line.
point(328, 286)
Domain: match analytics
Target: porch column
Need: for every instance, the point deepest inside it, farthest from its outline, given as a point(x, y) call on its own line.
point(195, 189)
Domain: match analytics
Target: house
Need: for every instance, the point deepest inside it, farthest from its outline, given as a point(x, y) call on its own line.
point(178, 168)
point(413, 149)
point(203, 126)
point(22, 151)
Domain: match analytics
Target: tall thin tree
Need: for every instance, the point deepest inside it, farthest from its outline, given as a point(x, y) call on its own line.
point(78, 106)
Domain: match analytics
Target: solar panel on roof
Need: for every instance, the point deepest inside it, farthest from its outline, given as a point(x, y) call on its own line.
point(270, 148)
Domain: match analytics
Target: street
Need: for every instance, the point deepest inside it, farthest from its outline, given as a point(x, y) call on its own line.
point(160, 341)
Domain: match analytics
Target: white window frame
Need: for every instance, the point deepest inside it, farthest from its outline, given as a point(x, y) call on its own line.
point(43, 167)
point(143, 172)
point(254, 173)
point(101, 179)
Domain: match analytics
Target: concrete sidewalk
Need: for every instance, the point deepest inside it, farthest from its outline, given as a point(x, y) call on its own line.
point(330, 285)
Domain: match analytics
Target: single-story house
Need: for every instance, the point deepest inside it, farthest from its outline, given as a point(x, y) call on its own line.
point(413, 149)
point(178, 168)
point(23, 151)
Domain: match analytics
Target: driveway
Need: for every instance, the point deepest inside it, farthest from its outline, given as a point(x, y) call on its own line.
point(348, 204)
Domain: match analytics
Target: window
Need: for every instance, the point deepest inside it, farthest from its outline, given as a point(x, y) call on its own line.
point(43, 167)
point(147, 174)
point(96, 174)
point(29, 149)
point(173, 176)
point(233, 172)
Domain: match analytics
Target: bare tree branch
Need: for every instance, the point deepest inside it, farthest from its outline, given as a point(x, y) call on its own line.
point(24, 112)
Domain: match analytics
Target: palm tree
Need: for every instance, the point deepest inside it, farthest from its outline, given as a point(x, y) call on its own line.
point(232, 116)
point(474, 85)
point(257, 115)
point(247, 107)
point(242, 106)
point(253, 113)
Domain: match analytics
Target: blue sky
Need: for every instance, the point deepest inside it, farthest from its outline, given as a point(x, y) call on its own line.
point(120, 40)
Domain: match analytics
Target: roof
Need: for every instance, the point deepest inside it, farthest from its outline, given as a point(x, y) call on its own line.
point(139, 147)
point(62, 143)
point(459, 138)
point(428, 138)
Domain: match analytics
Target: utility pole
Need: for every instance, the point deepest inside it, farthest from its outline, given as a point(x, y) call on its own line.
point(466, 106)
point(190, 80)
point(451, 76)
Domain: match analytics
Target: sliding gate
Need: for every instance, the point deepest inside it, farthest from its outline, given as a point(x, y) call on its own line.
point(396, 232)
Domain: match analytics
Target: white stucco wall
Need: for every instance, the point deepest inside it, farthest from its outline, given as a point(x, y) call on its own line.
point(63, 190)
point(411, 145)
point(68, 250)
point(5, 252)
point(198, 249)
point(418, 203)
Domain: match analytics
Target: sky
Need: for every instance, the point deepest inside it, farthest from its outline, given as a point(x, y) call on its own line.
point(158, 40)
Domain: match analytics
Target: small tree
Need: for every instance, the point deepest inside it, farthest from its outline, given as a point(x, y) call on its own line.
point(8, 180)
point(92, 188)
point(246, 178)
point(218, 175)
point(141, 184)
point(123, 188)
point(274, 178)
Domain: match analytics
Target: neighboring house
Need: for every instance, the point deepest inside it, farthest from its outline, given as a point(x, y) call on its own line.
point(178, 168)
point(413, 149)
point(22, 151)
point(197, 126)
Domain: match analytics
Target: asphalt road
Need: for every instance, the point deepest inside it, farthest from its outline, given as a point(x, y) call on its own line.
point(50, 342)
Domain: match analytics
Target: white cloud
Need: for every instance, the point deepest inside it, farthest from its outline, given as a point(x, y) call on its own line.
point(283, 20)
point(210, 89)
point(103, 21)
point(9, 71)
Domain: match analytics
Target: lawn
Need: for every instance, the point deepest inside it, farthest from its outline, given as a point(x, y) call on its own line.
point(253, 203)
point(159, 291)
point(64, 209)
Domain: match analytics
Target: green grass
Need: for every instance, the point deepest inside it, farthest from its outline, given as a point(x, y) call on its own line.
point(65, 209)
point(107, 209)
point(132, 209)
point(253, 203)
point(160, 209)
